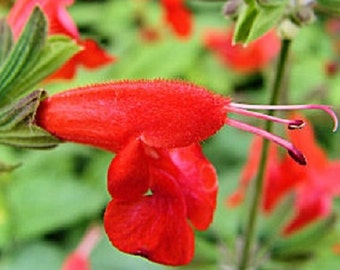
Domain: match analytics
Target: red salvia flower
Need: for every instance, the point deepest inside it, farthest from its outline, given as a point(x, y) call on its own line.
point(159, 179)
point(60, 22)
point(314, 185)
point(177, 16)
point(243, 59)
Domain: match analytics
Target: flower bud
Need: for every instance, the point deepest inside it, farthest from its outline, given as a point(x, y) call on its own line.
point(231, 7)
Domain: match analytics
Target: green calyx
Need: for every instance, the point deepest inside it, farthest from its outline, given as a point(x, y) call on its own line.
point(17, 124)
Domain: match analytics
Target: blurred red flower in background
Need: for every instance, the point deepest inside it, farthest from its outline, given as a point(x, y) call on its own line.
point(243, 59)
point(60, 22)
point(177, 16)
point(314, 185)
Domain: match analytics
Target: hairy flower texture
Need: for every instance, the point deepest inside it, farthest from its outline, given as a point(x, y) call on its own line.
point(177, 16)
point(60, 22)
point(159, 179)
point(243, 59)
point(314, 185)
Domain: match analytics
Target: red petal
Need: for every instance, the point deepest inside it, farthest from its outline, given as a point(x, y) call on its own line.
point(198, 181)
point(76, 262)
point(58, 18)
point(153, 226)
point(129, 169)
point(66, 72)
point(92, 56)
point(250, 170)
point(252, 58)
point(178, 16)
point(276, 186)
point(311, 205)
point(332, 185)
point(235, 198)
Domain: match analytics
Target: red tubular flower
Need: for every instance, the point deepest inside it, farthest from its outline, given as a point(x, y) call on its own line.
point(243, 59)
point(162, 113)
point(177, 16)
point(92, 56)
point(159, 179)
point(314, 185)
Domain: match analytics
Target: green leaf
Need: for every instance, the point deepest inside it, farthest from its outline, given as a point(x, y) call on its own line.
point(25, 50)
point(244, 23)
point(5, 167)
point(17, 124)
point(255, 21)
point(57, 50)
point(6, 40)
point(267, 18)
point(302, 244)
point(37, 256)
point(33, 58)
point(45, 195)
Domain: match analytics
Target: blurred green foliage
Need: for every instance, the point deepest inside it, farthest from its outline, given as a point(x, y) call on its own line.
point(48, 202)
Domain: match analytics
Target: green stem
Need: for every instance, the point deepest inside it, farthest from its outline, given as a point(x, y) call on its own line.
point(256, 198)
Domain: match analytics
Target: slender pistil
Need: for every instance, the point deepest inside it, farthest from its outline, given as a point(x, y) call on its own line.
point(245, 110)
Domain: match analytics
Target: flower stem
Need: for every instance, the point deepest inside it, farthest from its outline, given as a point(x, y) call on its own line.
point(256, 198)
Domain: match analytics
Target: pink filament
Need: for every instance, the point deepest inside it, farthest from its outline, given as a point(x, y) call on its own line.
point(292, 150)
point(292, 124)
point(327, 109)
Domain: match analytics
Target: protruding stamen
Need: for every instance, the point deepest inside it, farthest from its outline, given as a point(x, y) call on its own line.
point(292, 124)
point(325, 108)
point(292, 150)
point(297, 125)
point(297, 156)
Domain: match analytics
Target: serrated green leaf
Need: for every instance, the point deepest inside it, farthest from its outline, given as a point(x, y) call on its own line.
point(26, 49)
point(57, 50)
point(6, 40)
